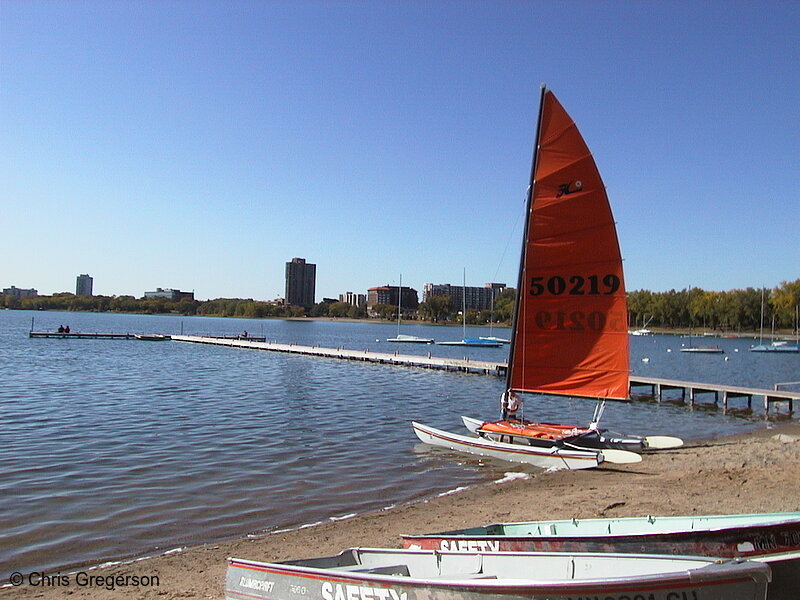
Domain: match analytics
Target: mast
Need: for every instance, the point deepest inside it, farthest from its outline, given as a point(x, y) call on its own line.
point(464, 304)
point(528, 206)
point(399, 300)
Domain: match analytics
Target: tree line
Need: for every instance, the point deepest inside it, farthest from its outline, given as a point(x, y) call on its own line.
point(734, 310)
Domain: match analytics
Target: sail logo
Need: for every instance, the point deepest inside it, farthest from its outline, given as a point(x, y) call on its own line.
point(338, 591)
point(565, 189)
point(470, 545)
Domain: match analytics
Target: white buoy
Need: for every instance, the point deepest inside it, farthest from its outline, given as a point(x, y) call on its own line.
point(645, 360)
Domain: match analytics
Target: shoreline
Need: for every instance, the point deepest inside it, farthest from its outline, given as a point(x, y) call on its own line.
point(699, 332)
point(734, 474)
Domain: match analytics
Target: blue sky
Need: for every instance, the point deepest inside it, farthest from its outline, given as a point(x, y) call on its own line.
point(201, 145)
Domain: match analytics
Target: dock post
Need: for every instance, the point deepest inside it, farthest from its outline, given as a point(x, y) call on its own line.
point(691, 396)
point(725, 401)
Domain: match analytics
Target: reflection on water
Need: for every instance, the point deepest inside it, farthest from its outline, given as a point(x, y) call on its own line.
point(114, 447)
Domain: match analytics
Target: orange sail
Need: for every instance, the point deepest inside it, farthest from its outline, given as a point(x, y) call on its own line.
point(570, 331)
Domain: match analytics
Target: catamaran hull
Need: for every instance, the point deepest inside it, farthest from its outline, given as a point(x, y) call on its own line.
point(593, 440)
point(546, 458)
point(383, 574)
point(770, 538)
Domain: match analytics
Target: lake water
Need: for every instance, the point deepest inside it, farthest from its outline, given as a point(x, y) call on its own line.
point(113, 448)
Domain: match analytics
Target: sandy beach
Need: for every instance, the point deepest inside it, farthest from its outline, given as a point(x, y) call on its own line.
point(756, 472)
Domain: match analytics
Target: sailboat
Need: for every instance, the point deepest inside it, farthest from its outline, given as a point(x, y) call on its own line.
point(776, 346)
point(644, 330)
point(465, 341)
point(569, 335)
point(491, 337)
point(402, 337)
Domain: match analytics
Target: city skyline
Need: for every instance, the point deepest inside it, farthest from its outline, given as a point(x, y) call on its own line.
point(197, 145)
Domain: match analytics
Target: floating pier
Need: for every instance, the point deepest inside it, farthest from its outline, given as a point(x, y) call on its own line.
point(387, 358)
point(71, 335)
point(689, 389)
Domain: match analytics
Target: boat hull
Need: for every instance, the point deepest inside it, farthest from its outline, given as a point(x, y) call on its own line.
point(410, 339)
point(387, 574)
point(770, 538)
point(762, 348)
point(704, 350)
point(546, 458)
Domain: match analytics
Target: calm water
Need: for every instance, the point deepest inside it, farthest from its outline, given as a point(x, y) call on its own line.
point(112, 448)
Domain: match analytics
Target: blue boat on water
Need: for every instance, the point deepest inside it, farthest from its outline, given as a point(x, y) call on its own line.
point(776, 347)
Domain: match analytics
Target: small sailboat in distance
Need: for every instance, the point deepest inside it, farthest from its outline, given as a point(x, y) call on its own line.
point(402, 337)
point(777, 345)
point(465, 341)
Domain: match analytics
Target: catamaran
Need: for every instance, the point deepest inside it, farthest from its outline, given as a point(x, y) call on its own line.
point(569, 335)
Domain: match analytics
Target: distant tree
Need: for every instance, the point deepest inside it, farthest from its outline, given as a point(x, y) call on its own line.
point(356, 312)
point(504, 306)
point(436, 308)
point(320, 310)
point(473, 317)
point(339, 310)
point(385, 311)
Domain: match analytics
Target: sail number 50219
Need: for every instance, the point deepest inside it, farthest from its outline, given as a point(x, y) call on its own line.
point(575, 285)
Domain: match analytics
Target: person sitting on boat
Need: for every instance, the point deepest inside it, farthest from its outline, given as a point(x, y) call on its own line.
point(60, 329)
point(66, 329)
point(510, 404)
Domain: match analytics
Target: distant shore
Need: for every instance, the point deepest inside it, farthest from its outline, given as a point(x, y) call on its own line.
point(680, 331)
point(753, 472)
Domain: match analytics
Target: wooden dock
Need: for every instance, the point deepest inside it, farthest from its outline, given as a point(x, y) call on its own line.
point(72, 335)
point(385, 358)
point(722, 393)
point(689, 389)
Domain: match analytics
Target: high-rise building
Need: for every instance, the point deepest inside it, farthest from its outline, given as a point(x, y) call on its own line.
point(301, 278)
point(20, 293)
point(357, 300)
point(391, 295)
point(83, 286)
point(476, 298)
point(169, 294)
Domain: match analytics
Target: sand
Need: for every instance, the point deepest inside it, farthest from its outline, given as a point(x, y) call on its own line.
point(756, 472)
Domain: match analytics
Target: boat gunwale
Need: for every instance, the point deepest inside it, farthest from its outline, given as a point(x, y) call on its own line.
point(461, 534)
point(719, 573)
